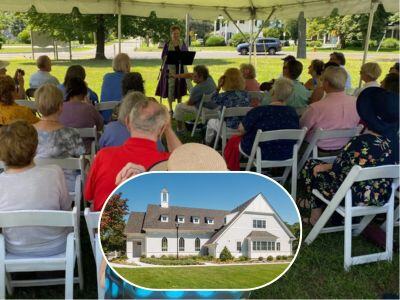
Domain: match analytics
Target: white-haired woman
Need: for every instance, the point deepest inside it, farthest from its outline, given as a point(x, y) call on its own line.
point(369, 73)
point(275, 116)
point(111, 89)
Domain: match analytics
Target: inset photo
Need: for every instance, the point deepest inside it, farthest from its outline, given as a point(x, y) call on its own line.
point(203, 231)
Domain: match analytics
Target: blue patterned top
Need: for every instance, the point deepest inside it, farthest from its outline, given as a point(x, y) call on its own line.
point(230, 99)
point(267, 118)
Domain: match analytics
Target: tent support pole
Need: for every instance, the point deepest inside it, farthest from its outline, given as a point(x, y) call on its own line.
point(374, 6)
point(234, 23)
point(187, 30)
point(119, 26)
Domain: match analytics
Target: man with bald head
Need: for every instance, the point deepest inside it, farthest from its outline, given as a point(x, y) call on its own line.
point(148, 121)
point(43, 75)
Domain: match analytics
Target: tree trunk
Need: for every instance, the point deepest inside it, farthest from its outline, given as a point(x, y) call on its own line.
point(100, 37)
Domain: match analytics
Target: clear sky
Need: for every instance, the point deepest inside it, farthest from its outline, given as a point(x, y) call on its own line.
point(206, 190)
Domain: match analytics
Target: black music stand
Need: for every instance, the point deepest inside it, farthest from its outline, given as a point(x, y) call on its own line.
point(180, 58)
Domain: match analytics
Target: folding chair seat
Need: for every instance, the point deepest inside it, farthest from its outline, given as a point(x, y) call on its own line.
point(28, 103)
point(322, 134)
point(204, 114)
point(348, 211)
point(255, 158)
point(223, 131)
point(106, 105)
point(65, 261)
point(92, 220)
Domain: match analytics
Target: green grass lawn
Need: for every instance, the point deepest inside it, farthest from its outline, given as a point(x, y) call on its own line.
point(226, 277)
point(29, 49)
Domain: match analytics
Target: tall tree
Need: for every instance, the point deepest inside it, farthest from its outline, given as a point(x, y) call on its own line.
point(112, 224)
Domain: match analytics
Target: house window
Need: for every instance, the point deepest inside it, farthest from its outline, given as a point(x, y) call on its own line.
point(164, 218)
point(197, 244)
point(181, 244)
point(210, 221)
point(273, 246)
point(239, 246)
point(164, 244)
point(262, 245)
point(278, 246)
point(259, 224)
point(196, 220)
point(181, 219)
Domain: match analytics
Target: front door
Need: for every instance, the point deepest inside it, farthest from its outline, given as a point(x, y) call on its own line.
point(136, 248)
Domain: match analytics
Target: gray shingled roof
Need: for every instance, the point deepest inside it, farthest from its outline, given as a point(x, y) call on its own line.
point(152, 218)
point(135, 222)
point(261, 234)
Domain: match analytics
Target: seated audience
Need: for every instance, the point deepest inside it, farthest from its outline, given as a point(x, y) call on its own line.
point(249, 74)
point(274, 116)
point(132, 82)
point(234, 95)
point(204, 85)
point(77, 71)
point(55, 140)
point(391, 83)
point(300, 96)
point(336, 111)
point(318, 92)
point(9, 110)
point(376, 147)
point(338, 58)
point(22, 188)
point(148, 120)
point(111, 89)
point(18, 79)
point(369, 73)
point(117, 132)
point(43, 75)
point(394, 68)
point(78, 111)
point(315, 69)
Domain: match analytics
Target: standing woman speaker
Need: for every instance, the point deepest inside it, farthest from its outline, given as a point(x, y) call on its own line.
point(168, 85)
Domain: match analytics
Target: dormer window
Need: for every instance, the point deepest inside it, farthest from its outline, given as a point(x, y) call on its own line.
point(164, 218)
point(196, 220)
point(181, 219)
point(210, 221)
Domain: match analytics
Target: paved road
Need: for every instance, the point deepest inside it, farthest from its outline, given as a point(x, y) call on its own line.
point(129, 48)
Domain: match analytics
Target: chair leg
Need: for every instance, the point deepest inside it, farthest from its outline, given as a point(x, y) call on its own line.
point(347, 238)
point(2, 281)
point(10, 288)
point(79, 263)
point(389, 229)
point(319, 225)
point(69, 267)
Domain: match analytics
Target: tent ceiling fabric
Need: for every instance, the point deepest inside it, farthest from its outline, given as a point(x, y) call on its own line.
point(203, 10)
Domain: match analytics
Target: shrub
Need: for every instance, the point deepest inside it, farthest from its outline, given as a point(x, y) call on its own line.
point(354, 43)
point(166, 262)
point(373, 43)
point(163, 256)
point(260, 258)
point(225, 255)
point(215, 40)
point(243, 258)
point(284, 257)
point(196, 44)
point(143, 256)
point(153, 256)
point(24, 37)
point(278, 257)
point(2, 40)
point(238, 38)
point(316, 44)
point(270, 258)
point(390, 44)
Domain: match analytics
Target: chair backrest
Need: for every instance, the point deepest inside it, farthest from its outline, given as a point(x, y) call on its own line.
point(90, 132)
point(53, 218)
point(27, 103)
point(69, 163)
point(92, 221)
point(321, 134)
point(273, 135)
point(30, 93)
point(106, 105)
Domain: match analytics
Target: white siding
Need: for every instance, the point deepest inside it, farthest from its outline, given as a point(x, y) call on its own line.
point(230, 217)
point(153, 243)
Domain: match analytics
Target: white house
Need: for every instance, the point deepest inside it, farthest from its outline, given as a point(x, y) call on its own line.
point(253, 229)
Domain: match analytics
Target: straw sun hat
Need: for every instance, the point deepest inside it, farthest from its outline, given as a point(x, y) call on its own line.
point(192, 157)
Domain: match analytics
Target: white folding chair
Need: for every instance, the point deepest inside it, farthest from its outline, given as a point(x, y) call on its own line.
point(201, 113)
point(322, 134)
point(10, 263)
point(90, 133)
point(348, 211)
point(223, 132)
point(28, 103)
point(106, 105)
point(396, 215)
point(290, 164)
point(92, 220)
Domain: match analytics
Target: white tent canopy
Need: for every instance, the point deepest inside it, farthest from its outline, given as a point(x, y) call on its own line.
point(204, 9)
